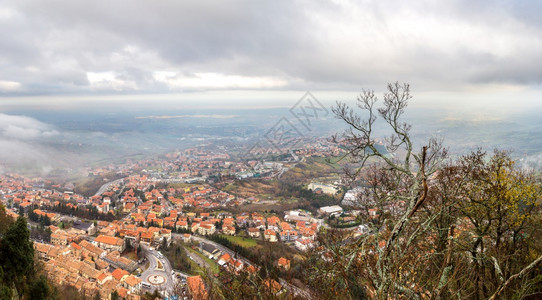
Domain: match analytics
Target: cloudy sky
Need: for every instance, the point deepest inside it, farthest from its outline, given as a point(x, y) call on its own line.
point(65, 48)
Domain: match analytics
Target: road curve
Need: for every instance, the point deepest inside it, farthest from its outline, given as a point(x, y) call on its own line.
point(153, 270)
point(105, 186)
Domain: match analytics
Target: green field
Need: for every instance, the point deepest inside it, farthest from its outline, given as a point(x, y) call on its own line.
point(182, 185)
point(241, 241)
point(214, 266)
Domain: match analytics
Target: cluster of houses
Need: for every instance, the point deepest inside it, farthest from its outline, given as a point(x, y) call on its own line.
point(90, 268)
point(302, 232)
point(88, 256)
point(95, 263)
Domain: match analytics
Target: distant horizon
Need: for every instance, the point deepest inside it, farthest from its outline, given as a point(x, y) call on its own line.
point(508, 100)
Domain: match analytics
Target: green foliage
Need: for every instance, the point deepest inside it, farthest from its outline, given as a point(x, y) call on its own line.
point(41, 233)
point(41, 219)
point(178, 258)
point(241, 241)
point(235, 247)
point(5, 220)
point(89, 212)
point(345, 225)
point(5, 292)
point(19, 276)
point(39, 289)
point(115, 296)
point(153, 296)
point(17, 254)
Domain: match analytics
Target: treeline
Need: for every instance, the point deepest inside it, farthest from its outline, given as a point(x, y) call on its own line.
point(89, 212)
point(41, 231)
point(266, 282)
point(43, 220)
point(17, 273)
point(308, 199)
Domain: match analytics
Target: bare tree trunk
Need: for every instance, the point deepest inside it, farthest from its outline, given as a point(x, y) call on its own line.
point(518, 275)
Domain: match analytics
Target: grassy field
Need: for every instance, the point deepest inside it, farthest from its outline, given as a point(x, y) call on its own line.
point(214, 266)
point(195, 269)
point(327, 162)
point(241, 241)
point(314, 167)
point(182, 185)
point(250, 188)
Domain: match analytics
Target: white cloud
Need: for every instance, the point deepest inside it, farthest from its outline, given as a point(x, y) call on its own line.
point(22, 142)
point(109, 81)
point(9, 86)
point(23, 128)
point(217, 81)
point(97, 77)
point(7, 13)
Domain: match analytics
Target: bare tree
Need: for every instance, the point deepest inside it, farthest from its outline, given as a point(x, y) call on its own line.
point(437, 229)
point(397, 181)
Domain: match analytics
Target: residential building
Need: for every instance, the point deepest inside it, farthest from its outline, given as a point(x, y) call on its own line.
point(284, 263)
point(254, 232)
point(206, 229)
point(229, 230)
point(59, 238)
point(270, 235)
point(304, 244)
point(110, 243)
point(132, 283)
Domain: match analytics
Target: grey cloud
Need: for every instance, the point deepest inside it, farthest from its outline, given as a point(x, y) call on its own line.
point(49, 46)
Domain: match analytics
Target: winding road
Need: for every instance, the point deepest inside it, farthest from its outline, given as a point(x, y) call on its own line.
point(105, 186)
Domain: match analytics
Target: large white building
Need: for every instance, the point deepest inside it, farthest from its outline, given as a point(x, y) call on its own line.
point(331, 210)
point(326, 188)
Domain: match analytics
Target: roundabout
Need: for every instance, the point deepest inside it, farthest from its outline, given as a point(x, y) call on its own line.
point(156, 279)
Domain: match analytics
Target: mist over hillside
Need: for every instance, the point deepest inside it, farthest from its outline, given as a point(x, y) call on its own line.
point(44, 141)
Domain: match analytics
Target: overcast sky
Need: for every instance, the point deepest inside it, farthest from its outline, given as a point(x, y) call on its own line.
point(69, 48)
